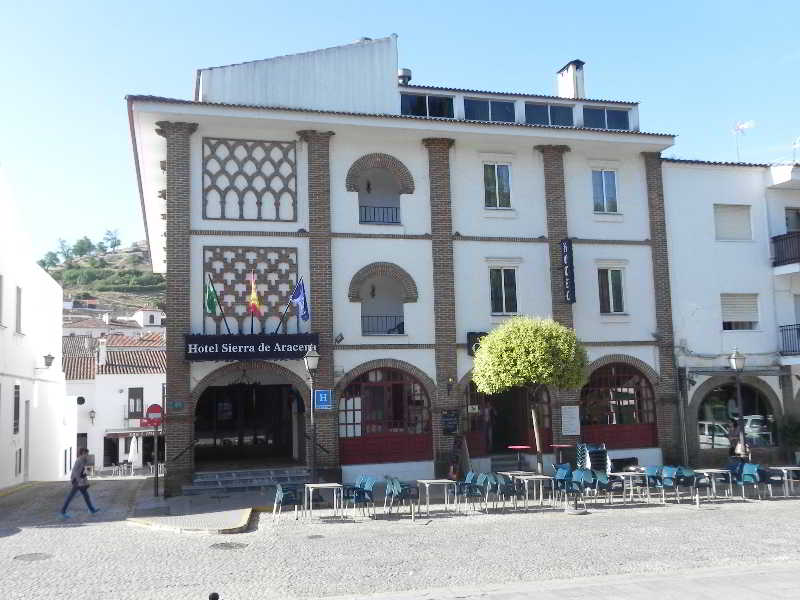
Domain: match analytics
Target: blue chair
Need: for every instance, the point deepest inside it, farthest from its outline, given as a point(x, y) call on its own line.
point(363, 496)
point(580, 481)
point(749, 476)
point(653, 478)
point(286, 495)
point(401, 493)
point(769, 477)
point(670, 481)
point(472, 489)
point(505, 489)
point(561, 478)
point(607, 485)
point(349, 490)
point(694, 482)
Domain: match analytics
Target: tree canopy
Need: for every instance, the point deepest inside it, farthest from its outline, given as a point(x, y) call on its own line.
point(524, 351)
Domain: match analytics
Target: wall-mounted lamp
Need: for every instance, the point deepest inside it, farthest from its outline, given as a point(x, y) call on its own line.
point(92, 415)
point(450, 382)
point(339, 338)
point(369, 187)
point(48, 361)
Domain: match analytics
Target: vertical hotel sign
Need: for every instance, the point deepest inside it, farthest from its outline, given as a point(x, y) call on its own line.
point(569, 271)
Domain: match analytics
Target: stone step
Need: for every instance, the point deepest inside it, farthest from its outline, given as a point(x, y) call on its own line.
point(250, 480)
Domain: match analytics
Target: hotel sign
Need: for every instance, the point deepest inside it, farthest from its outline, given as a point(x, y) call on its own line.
point(248, 347)
point(569, 271)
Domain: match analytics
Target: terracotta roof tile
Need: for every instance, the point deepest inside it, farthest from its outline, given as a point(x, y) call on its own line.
point(415, 87)
point(147, 340)
point(100, 324)
point(79, 367)
point(134, 362)
point(716, 163)
point(78, 345)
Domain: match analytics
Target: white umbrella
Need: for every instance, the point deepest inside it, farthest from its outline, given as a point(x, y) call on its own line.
point(133, 455)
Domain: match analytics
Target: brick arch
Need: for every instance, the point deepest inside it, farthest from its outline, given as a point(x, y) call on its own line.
point(391, 363)
point(627, 359)
point(378, 269)
point(252, 365)
point(378, 160)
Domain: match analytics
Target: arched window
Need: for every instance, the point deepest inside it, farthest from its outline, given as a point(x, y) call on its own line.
point(719, 407)
point(378, 198)
point(383, 400)
point(152, 319)
point(617, 394)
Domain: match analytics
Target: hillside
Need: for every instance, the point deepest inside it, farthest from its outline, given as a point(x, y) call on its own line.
point(120, 280)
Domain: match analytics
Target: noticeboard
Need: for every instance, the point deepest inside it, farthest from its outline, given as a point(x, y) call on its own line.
point(570, 420)
point(449, 422)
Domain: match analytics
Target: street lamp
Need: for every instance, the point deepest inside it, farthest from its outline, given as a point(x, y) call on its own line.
point(312, 362)
point(737, 361)
point(92, 415)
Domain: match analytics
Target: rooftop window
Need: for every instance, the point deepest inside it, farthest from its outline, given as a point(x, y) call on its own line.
point(548, 114)
point(488, 110)
point(420, 105)
point(605, 118)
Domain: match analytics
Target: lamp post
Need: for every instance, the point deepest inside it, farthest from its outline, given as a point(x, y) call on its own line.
point(737, 361)
point(311, 359)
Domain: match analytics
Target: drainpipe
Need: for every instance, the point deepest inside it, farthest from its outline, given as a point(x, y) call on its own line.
point(683, 401)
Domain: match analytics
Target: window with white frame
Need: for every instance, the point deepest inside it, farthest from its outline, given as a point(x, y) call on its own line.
point(19, 311)
point(604, 191)
point(537, 113)
point(739, 311)
point(497, 185)
point(610, 286)
point(503, 286)
point(732, 222)
point(792, 222)
point(135, 403)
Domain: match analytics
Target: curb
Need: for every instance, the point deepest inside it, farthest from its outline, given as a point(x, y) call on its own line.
point(16, 488)
point(240, 527)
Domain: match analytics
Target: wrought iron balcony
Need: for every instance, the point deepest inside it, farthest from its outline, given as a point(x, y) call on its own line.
point(382, 215)
point(382, 325)
point(786, 248)
point(789, 339)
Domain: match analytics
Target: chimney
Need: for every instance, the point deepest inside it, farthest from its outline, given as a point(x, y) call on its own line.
point(101, 351)
point(570, 80)
point(403, 76)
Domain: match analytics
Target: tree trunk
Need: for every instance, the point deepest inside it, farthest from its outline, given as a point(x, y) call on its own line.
point(535, 420)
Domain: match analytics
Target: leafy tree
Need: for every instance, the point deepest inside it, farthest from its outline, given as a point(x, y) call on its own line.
point(529, 352)
point(41, 263)
point(65, 250)
point(100, 247)
point(111, 238)
point(49, 260)
point(83, 247)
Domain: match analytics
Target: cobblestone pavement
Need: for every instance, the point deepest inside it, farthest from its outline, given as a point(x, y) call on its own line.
point(742, 549)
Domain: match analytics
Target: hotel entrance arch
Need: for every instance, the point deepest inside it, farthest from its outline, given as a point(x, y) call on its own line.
point(249, 414)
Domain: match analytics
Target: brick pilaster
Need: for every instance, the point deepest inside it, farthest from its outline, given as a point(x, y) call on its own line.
point(555, 196)
point(319, 219)
point(178, 423)
point(443, 293)
point(666, 390)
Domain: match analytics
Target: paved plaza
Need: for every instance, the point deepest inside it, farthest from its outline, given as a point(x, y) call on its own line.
point(723, 550)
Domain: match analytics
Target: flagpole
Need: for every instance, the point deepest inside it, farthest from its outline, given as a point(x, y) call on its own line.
point(252, 289)
point(286, 309)
point(219, 304)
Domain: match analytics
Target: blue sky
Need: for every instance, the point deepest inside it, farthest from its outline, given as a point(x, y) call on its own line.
point(696, 67)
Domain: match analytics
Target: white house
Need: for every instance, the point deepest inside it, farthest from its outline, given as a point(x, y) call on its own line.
point(418, 218)
point(37, 420)
point(119, 384)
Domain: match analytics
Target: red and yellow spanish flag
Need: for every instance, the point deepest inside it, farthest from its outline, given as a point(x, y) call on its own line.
point(253, 305)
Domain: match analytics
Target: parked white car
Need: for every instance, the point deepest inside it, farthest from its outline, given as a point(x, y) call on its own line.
point(712, 435)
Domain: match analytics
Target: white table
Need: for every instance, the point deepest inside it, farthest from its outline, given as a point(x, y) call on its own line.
point(628, 482)
point(338, 492)
point(445, 483)
point(536, 478)
point(710, 474)
point(788, 483)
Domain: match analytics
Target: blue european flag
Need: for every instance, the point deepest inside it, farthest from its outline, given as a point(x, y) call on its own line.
point(299, 300)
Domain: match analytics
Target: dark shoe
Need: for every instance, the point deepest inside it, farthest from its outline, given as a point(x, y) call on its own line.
point(94, 511)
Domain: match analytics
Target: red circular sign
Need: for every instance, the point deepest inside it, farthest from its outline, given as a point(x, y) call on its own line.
point(152, 416)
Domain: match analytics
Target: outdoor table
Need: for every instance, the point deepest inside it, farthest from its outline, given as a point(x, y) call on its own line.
point(630, 475)
point(788, 484)
point(558, 448)
point(540, 479)
point(516, 475)
point(519, 450)
point(444, 483)
point(308, 501)
point(710, 474)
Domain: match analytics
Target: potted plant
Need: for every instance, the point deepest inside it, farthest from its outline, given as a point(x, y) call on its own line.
point(790, 434)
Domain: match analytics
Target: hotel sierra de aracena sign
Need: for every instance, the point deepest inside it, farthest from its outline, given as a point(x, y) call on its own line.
point(249, 347)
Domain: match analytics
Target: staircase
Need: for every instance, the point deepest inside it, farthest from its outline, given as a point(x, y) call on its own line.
point(250, 480)
point(504, 462)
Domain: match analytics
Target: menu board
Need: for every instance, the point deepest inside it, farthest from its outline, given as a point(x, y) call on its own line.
point(570, 420)
point(449, 422)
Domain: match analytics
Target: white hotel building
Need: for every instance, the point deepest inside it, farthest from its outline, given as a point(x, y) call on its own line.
point(420, 216)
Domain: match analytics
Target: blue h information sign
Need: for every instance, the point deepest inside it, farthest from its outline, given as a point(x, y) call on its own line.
point(323, 399)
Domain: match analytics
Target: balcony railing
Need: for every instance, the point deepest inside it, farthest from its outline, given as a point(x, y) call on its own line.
point(790, 339)
point(786, 248)
point(382, 325)
point(383, 215)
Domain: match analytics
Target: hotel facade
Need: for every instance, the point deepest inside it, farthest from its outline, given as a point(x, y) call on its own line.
point(418, 219)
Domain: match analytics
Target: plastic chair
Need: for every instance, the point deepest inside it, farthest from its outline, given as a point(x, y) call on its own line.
point(470, 491)
point(750, 476)
point(669, 481)
point(769, 477)
point(505, 489)
point(607, 485)
point(580, 481)
point(286, 495)
point(400, 493)
point(695, 482)
point(561, 479)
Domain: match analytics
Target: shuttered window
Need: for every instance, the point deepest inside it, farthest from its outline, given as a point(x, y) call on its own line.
point(732, 222)
point(739, 311)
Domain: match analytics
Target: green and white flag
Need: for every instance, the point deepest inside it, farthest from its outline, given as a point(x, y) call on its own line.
point(211, 299)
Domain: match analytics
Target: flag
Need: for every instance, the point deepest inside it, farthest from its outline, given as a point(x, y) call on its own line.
point(253, 305)
point(298, 298)
point(741, 126)
point(211, 299)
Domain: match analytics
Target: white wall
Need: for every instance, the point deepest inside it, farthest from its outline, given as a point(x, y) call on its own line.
point(49, 428)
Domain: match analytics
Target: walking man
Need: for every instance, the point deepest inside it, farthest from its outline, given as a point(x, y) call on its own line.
point(79, 484)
